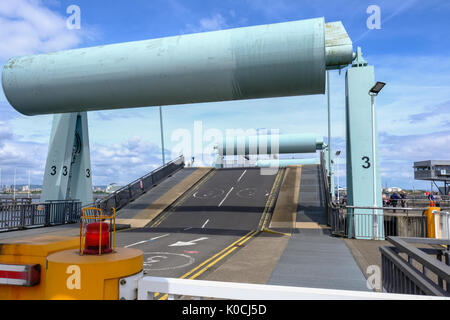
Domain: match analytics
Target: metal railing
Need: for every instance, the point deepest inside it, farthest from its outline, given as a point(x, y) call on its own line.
point(5, 201)
point(405, 224)
point(130, 192)
point(329, 204)
point(407, 269)
point(416, 201)
point(185, 288)
point(22, 216)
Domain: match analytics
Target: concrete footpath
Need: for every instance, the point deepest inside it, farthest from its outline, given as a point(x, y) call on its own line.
point(313, 258)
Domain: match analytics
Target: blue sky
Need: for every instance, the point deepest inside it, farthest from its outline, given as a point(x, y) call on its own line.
point(410, 52)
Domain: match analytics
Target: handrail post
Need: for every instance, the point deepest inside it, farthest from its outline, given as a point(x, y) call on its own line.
point(22, 217)
point(47, 214)
point(33, 209)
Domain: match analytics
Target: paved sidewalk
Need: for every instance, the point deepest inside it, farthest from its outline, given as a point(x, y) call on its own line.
point(312, 257)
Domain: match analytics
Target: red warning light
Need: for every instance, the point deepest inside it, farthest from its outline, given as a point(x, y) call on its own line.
point(97, 235)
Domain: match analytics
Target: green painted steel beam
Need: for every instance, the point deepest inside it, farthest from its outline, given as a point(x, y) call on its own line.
point(274, 60)
point(271, 144)
point(282, 163)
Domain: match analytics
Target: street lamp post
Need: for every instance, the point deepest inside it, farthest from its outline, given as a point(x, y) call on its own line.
point(330, 170)
point(337, 174)
point(162, 135)
point(373, 92)
point(14, 187)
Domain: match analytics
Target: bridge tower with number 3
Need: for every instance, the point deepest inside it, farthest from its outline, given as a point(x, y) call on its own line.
point(68, 167)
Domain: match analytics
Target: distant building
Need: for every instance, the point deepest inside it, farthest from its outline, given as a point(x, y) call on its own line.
point(435, 171)
point(113, 187)
point(392, 189)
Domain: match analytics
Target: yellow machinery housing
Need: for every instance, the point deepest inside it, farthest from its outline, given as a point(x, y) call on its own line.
point(65, 273)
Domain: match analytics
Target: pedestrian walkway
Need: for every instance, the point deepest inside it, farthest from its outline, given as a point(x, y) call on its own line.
point(313, 258)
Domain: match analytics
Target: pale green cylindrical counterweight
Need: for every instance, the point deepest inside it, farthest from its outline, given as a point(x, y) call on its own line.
point(282, 163)
point(274, 60)
point(270, 144)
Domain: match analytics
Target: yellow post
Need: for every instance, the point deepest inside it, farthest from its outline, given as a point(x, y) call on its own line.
point(431, 228)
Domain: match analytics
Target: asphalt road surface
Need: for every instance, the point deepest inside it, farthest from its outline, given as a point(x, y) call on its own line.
point(207, 224)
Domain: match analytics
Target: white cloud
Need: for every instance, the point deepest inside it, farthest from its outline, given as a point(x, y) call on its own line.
point(120, 163)
point(124, 162)
point(27, 27)
point(416, 147)
point(20, 155)
point(215, 22)
point(416, 85)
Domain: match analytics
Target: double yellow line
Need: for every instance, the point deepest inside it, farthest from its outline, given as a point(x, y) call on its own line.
point(266, 213)
point(205, 265)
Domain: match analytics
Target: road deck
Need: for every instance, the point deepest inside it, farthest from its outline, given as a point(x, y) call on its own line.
point(211, 226)
point(207, 225)
point(148, 206)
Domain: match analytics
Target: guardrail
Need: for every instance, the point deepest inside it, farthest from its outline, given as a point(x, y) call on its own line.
point(329, 204)
point(130, 192)
point(22, 216)
point(4, 201)
point(415, 202)
point(419, 273)
point(176, 288)
point(399, 224)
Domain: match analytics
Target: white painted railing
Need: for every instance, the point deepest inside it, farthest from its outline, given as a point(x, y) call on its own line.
point(148, 286)
point(442, 224)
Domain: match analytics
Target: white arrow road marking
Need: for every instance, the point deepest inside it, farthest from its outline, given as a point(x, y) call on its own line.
point(186, 243)
point(205, 223)
point(226, 196)
point(241, 176)
point(144, 241)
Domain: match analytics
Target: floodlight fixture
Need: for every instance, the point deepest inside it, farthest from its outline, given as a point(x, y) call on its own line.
point(377, 88)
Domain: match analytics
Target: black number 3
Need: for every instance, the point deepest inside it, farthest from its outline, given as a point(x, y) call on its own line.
point(88, 173)
point(53, 170)
point(366, 165)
